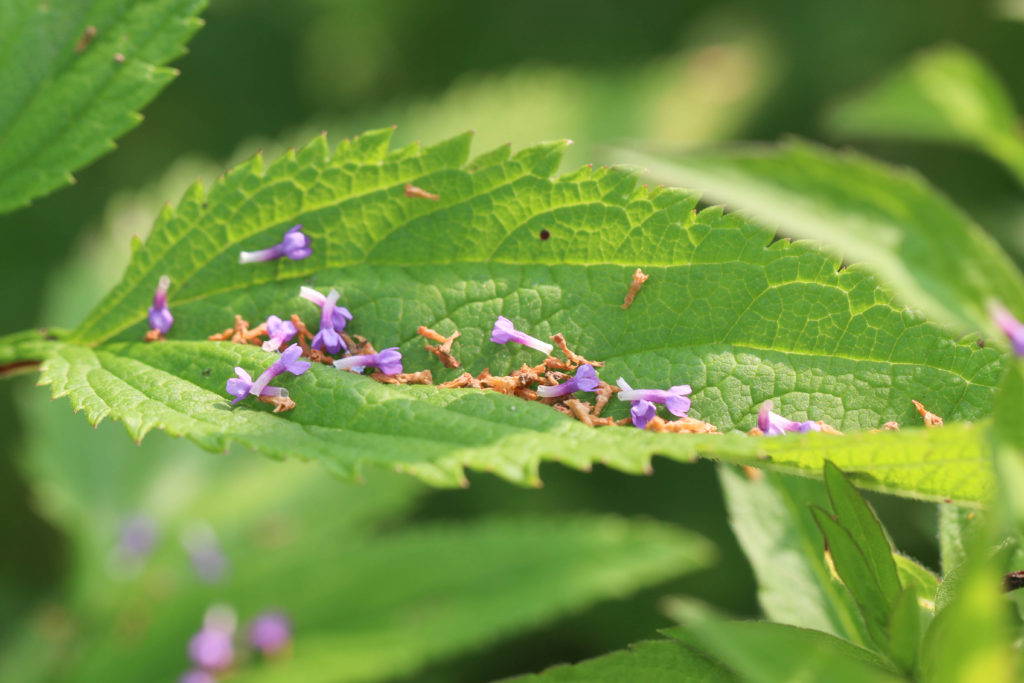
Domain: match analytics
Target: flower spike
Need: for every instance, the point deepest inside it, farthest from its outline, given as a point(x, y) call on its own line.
point(160, 317)
point(388, 361)
point(294, 245)
point(504, 331)
point(280, 331)
point(585, 380)
point(1010, 326)
point(676, 398)
point(772, 424)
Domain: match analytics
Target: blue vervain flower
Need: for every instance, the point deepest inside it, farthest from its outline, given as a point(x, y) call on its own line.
point(388, 361)
point(294, 245)
point(280, 331)
point(270, 632)
point(1010, 326)
point(504, 331)
point(772, 424)
point(339, 317)
point(327, 337)
point(675, 398)
point(160, 317)
point(585, 380)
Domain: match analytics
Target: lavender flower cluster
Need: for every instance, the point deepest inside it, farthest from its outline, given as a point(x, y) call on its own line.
point(212, 650)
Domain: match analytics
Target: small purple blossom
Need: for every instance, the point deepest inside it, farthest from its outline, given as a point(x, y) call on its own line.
point(585, 380)
point(270, 632)
point(388, 361)
point(211, 649)
point(676, 398)
point(340, 316)
point(197, 676)
point(1010, 326)
point(280, 331)
point(328, 337)
point(160, 317)
point(504, 331)
point(294, 245)
point(137, 537)
point(641, 411)
point(243, 385)
point(772, 424)
point(204, 551)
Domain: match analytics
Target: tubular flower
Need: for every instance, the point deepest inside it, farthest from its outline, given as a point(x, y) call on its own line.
point(1010, 326)
point(641, 411)
point(270, 632)
point(160, 317)
point(294, 245)
point(505, 332)
point(772, 424)
point(388, 361)
point(340, 316)
point(328, 337)
point(211, 649)
point(243, 386)
point(280, 331)
point(585, 380)
point(675, 398)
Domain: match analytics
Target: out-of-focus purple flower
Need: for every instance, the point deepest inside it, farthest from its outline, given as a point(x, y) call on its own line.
point(211, 649)
point(204, 551)
point(641, 411)
point(239, 386)
point(287, 362)
point(340, 316)
point(1010, 326)
point(504, 332)
point(675, 398)
point(160, 317)
point(327, 337)
point(270, 632)
point(197, 676)
point(585, 380)
point(772, 424)
point(294, 245)
point(388, 361)
point(280, 331)
point(137, 537)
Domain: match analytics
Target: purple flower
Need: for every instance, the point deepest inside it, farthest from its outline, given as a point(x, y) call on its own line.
point(270, 632)
point(1012, 327)
point(585, 380)
point(211, 649)
point(204, 551)
point(675, 398)
point(388, 361)
point(160, 317)
point(641, 411)
point(197, 676)
point(288, 361)
point(138, 534)
point(340, 316)
point(772, 424)
point(328, 337)
point(505, 332)
point(280, 331)
point(294, 245)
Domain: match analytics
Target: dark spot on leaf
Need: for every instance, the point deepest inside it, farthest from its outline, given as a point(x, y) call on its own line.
point(544, 234)
point(981, 343)
point(207, 371)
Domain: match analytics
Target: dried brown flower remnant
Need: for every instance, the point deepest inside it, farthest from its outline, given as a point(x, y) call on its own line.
point(413, 191)
point(604, 393)
point(827, 428)
point(86, 39)
point(154, 335)
point(573, 357)
point(580, 410)
point(421, 377)
point(685, 425)
point(305, 336)
point(463, 380)
point(752, 473)
point(444, 351)
point(281, 404)
point(930, 419)
point(890, 426)
point(240, 333)
point(639, 278)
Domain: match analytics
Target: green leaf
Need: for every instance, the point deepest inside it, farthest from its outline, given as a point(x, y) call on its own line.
point(854, 514)
point(921, 580)
point(740, 319)
point(945, 94)
point(856, 572)
point(662, 661)
point(767, 652)
point(956, 526)
point(73, 75)
point(904, 630)
point(771, 518)
point(932, 255)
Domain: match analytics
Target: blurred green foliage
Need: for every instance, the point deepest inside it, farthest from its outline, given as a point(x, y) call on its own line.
point(266, 74)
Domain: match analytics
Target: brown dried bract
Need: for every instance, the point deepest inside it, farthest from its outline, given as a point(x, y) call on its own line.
point(305, 336)
point(639, 278)
point(755, 432)
point(154, 335)
point(574, 357)
point(318, 356)
point(463, 380)
point(240, 333)
point(580, 410)
point(752, 473)
point(444, 351)
point(421, 377)
point(827, 428)
point(930, 419)
point(281, 404)
point(891, 426)
point(604, 393)
point(685, 425)
point(358, 345)
point(87, 36)
point(418, 192)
